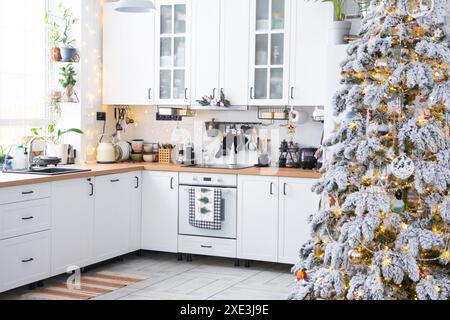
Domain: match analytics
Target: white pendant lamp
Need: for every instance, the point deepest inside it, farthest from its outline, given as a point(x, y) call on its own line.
point(135, 6)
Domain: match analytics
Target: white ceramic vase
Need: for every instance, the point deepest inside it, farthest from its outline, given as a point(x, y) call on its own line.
point(338, 30)
point(58, 150)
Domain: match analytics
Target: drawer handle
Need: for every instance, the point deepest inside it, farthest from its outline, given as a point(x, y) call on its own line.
point(115, 180)
point(27, 218)
point(27, 260)
point(271, 188)
point(207, 247)
point(27, 192)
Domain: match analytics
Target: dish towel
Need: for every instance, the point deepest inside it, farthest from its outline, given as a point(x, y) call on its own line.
point(205, 208)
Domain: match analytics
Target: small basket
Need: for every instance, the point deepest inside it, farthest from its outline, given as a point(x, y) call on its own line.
point(165, 156)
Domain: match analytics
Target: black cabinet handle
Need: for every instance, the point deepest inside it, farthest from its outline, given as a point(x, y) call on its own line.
point(171, 183)
point(137, 182)
point(292, 92)
point(27, 260)
point(214, 93)
point(149, 93)
point(91, 193)
point(27, 218)
point(251, 93)
point(271, 188)
point(185, 93)
point(27, 192)
point(284, 189)
point(115, 180)
point(207, 247)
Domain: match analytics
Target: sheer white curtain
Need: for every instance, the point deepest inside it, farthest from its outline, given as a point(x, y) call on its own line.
point(23, 76)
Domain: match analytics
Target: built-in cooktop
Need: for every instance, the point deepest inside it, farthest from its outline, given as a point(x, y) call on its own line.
point(221, 166)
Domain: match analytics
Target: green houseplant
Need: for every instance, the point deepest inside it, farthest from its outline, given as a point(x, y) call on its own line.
point(67, 50)
point(54, 37)
point(67, 80)
point(2, 155)
point(339, 27)
point(53, 138)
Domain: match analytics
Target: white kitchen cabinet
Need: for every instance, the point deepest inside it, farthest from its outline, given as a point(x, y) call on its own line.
point(297, 202)
point(309, 41)
point(269, 52)
point(135, 212)
point(257, 236)
point(160, 211)
point(112, 225)
point(128, 57)
point(173, 45)
point(220, 44)
point(24, 259)
point(73, 224)
point(205, 48)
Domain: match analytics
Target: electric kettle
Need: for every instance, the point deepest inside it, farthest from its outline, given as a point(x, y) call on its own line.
point(107, 152)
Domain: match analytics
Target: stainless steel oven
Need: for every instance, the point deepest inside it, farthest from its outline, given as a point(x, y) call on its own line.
point(228, 185)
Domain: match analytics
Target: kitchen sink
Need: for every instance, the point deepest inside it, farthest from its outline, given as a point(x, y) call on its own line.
point(48, 171)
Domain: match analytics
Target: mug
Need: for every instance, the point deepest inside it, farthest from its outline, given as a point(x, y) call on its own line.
point(137, 145)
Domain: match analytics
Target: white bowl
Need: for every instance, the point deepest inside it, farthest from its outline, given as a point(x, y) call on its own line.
point(149, 157)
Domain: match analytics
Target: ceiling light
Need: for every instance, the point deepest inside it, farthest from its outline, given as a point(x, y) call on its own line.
point(135, 6)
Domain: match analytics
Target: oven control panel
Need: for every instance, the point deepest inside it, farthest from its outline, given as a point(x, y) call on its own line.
point(204, 179)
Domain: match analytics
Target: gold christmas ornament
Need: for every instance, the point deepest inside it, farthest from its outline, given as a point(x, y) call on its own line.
point(366, 181)
point(419, 31)
point(355, 256)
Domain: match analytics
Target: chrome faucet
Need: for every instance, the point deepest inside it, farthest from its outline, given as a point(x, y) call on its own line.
point(30, 151)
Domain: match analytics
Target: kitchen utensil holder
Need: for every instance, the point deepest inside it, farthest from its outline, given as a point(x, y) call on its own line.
point(165, 156)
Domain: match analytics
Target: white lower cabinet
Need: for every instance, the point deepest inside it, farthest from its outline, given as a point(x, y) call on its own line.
point(113, 207)
point(297, 202)
point(136, 212)
point(73, 224)
point(160, 211)
point(257, 229)
point(24, 260)
point(273, 217)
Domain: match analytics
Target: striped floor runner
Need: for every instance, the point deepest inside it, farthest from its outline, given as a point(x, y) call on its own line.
point(91, 286)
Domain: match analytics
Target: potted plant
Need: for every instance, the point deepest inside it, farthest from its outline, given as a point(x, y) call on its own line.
point(53, 138)
point(2, 156)
point(68, 80)
point(54, 38)
point(339, 27)
point(67, 50)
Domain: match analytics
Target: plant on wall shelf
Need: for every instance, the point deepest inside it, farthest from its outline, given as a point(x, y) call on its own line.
point(54, 37)
point(68, 80)
point(211, 101)
point(340, 26)
point(338, 5)
point(62, 20)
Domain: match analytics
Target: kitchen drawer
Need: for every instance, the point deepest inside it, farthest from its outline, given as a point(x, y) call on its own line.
point(24, 260)
point(21, 218)
point(207, 246)
point(24, 193)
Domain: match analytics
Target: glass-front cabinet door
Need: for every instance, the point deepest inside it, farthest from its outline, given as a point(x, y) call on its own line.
point(173, 29)
point(269, 52)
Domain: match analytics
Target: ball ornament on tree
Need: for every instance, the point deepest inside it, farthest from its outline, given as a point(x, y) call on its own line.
point(398, 205)
point(439, 72)
point(301, 275)
point(355, 256)
point(402, 167)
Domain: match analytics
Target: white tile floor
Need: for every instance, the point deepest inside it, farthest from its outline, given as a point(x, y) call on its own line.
point(203, 278)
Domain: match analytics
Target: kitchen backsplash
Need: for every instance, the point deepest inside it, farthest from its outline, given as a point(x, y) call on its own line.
point(146, 127)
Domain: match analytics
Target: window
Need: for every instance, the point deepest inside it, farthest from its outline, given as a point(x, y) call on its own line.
point(22, 68)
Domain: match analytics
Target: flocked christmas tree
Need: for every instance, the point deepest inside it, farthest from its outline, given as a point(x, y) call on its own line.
point(384, 225)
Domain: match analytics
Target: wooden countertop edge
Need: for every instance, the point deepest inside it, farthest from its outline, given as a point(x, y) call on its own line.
point(99, 170)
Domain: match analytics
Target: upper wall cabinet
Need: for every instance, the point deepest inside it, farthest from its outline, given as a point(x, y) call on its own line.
point(220, 45)
point(269, 52)
point(173, 29)
point(128, 57)
point(309, 33)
